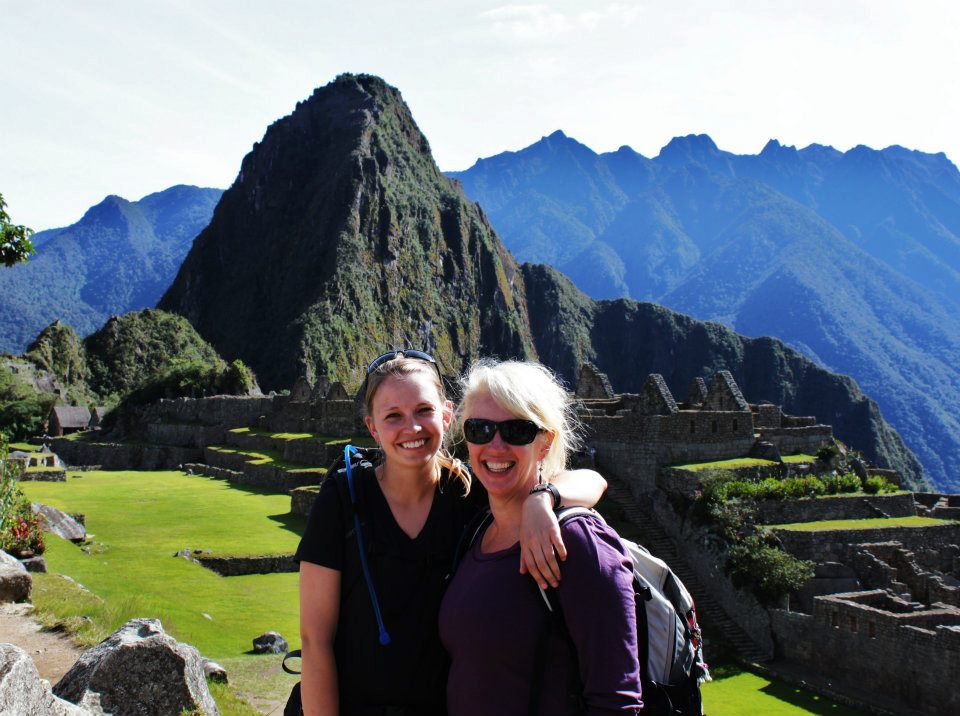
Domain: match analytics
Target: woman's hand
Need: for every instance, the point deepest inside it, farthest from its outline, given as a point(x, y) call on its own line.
point(541, 547)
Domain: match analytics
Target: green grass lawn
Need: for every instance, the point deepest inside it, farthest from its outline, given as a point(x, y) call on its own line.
point(742, 693)
point(139, 520)
point(878, 522)
point(733, 463)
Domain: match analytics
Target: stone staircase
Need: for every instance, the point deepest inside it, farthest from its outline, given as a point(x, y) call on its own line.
point(710, 614)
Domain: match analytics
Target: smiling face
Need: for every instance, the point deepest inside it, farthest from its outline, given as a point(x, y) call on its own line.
point(506, 471)
point(408, 418)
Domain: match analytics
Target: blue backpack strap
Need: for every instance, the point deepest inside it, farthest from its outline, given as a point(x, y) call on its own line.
point(348, 451)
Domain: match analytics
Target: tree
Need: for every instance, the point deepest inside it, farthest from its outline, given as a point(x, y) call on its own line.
point(15, 244)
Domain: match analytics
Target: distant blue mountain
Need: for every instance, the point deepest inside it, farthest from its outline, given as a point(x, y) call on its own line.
point(851, 257)
point(121, 256)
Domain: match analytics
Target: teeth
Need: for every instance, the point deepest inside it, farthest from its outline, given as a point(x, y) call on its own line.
point(413, 444)
point(498, 466)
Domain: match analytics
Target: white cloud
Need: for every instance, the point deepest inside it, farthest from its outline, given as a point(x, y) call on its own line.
point(540, 22)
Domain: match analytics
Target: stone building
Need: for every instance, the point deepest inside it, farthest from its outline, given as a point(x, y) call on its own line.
point(634, 435)
point(66, 419)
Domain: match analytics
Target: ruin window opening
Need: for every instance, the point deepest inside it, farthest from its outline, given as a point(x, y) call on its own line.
point(693, 426)
point(853, 624)
point(713, 426)
point(872, 628)
point(735, 425)
point(835, 620)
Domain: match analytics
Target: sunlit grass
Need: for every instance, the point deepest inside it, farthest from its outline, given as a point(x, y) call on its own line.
point(139, 520)
point(735, 692)
point(873, 523)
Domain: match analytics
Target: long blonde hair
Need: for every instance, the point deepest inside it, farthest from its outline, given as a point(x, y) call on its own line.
point(400, 367)
point(528, 390)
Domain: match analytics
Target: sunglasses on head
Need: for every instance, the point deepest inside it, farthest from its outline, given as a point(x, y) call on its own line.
point(406, 353)
point(480, 431)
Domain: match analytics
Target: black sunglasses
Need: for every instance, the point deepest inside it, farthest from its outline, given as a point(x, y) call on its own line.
point(480, 431)
point(406, 353)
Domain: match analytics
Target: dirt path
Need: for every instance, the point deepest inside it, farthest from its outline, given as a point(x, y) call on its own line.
point(53, 654)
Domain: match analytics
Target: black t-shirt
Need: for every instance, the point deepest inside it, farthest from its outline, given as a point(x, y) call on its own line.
point(409, 578)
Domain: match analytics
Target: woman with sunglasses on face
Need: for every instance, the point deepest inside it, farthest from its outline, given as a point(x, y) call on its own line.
point(509, 654)
point(415, 505)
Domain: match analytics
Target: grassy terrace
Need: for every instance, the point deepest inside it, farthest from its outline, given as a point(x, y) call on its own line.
point(364, 441)
point(877, 523)
point(267, 457)
point(733, 463)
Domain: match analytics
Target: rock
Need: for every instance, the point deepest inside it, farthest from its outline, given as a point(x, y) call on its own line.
point(23, 692)
point(35, 564)
point(270, 643)
point(15, 583)
point(60, 523)
point(139, 669)
point(214, 671)
point(9, 559)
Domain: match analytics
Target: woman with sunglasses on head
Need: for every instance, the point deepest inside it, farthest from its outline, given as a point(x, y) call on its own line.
point(369, 631)
point(509, 655)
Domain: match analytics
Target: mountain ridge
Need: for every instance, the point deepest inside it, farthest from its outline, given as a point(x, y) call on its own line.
point(807, 245)
point(120, 256)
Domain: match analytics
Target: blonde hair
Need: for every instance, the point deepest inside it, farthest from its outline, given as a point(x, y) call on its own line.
point(530, 391)
point(401, 367)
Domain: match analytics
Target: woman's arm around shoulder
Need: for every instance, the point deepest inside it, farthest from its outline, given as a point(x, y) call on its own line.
point(599, 608)
point(541, 545)
point(319, 612)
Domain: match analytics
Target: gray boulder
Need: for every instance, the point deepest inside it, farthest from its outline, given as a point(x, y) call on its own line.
point(10, 560)
point(270, 643)
point(15, 583)
point(138, 671)
point(60, 523)
point(214, 671)
point(35, 564)
point(23, 692)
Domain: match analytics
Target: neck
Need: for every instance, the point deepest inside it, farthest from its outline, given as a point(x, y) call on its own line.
point(407, 485)
point(507, 513)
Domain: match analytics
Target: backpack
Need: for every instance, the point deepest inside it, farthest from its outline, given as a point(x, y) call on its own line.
point(671, 666)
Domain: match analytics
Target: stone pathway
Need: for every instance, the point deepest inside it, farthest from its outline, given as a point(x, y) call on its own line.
point(53, 654)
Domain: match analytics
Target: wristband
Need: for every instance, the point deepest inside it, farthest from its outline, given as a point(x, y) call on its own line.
point(548, 487)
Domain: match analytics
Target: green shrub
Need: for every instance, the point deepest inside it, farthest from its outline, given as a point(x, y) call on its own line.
point(20, 530)
point(767, 571)
point(770, 489)
point(828, 452)
point(798, 487)
point(839, 484)
point(878, 485)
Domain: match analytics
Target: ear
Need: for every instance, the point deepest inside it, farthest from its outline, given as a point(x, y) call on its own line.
point(545, 445)
point(368, 421)
point(447, 414)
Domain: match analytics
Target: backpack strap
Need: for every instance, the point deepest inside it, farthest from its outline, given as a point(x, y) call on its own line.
point(348, 452)
point(468, 537)
point(295, 654)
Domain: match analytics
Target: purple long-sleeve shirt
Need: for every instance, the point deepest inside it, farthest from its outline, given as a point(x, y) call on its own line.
point(492, 617)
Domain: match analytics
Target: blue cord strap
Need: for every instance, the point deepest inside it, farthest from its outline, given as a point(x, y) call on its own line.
point(349, 450)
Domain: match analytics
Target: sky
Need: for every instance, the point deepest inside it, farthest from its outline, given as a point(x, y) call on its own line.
point(129, 97)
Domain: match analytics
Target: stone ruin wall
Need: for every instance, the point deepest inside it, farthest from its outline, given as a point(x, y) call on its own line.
point(910, 657)
point(800, 439)
point(835, 507)
point(633, 446)
point(706, 554)
point(831, 545)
